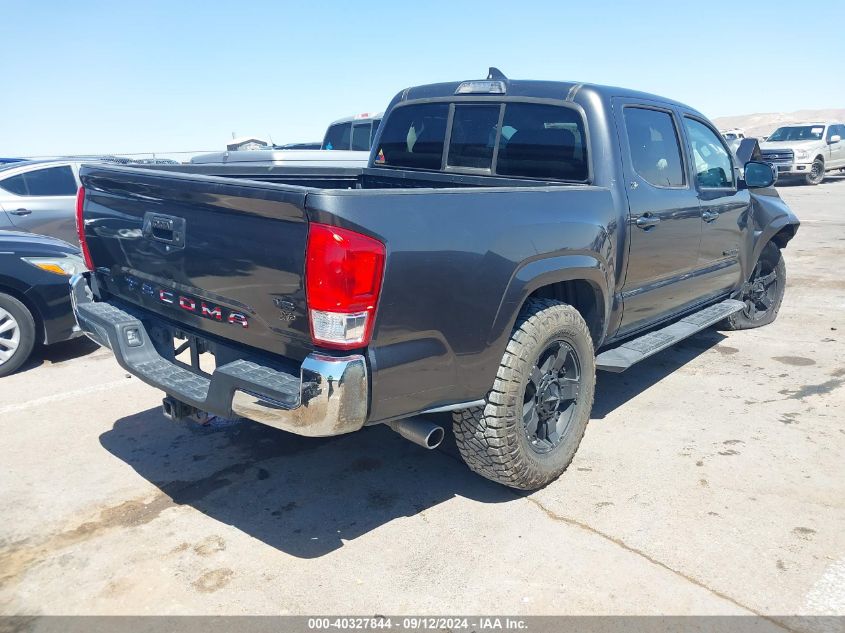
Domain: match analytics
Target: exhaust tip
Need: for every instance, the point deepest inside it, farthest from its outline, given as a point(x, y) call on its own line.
point(420, 432)
point(435, 438)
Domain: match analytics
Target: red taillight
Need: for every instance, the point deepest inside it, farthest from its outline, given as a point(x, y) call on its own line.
point(80, 229)
point(343, 272)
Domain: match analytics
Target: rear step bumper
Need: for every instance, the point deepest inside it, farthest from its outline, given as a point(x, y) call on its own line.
point(329, 397)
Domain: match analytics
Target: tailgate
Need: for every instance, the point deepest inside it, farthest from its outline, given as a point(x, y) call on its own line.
point(223, 256)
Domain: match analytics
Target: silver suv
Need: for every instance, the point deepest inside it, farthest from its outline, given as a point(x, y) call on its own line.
point(806, 151)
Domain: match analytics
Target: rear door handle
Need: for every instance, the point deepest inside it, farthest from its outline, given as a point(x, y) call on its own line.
point(647, 221)
point(21, 212)
point(709, 216)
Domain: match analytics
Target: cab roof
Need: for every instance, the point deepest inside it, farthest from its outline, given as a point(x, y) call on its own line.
point(538, 89)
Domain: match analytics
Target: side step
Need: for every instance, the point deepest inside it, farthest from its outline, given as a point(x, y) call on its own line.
point(621, 358)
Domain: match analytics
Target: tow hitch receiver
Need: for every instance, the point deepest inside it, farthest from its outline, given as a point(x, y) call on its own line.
point(176, 410)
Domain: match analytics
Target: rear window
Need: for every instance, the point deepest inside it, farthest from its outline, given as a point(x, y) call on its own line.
point(338, 136)
point(414, 137)
point(538, 141)
point(473, 137)
point(361, 136)
point(546, 142)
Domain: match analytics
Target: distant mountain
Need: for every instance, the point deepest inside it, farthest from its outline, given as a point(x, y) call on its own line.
point(765, 123)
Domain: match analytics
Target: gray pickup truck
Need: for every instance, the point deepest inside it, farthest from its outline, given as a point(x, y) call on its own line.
point(507, 239)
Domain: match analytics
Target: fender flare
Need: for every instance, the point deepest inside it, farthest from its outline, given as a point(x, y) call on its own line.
point(765, 235)
point(537, 273)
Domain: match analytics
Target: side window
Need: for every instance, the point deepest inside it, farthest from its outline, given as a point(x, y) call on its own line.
point(713, 166)
point(655, 148)
point(361, 137)
point(15, 184)
point(542, 141)
point(338, 136)
point(52, 181)
point(414, 136)
point(473, 136)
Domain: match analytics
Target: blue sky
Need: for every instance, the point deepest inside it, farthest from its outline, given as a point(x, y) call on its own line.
point(114, 77)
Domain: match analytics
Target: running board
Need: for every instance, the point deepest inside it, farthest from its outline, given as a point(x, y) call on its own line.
point(621, 358)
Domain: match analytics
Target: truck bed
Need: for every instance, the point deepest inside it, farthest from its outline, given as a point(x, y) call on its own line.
point(242, 250)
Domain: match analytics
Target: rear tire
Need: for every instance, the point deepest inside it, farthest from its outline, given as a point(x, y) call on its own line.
point(765, 292)
point(816, 174)
point(527, 433)
point(17, 334)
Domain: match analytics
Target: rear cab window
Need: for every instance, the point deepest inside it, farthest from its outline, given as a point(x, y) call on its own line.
point(338, 136)
point(513, 139)
point(414, 137)
point(361, 136)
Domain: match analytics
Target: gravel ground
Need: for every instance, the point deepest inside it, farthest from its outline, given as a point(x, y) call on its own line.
point(711, 480)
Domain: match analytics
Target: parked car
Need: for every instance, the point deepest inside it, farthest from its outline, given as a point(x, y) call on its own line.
point(34, 299)
point(508, 239)
point(733, 137)
point(350, 138)
point(733, 134)
point(806, 151)
point(40, 197)
point(354, 133)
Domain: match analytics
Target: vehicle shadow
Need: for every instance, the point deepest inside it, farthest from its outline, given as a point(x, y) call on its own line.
point(830, 178)
point(59, 353)
point(308, 496)
point(614, 390)
point(303, 496)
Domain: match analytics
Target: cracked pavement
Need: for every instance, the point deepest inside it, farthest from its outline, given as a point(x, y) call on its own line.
point(711, 480)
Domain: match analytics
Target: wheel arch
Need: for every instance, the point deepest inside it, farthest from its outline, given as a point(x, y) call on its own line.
point(16, 292)
point(578, 280)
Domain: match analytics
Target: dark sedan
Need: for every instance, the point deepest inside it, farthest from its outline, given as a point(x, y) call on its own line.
point(34, 296)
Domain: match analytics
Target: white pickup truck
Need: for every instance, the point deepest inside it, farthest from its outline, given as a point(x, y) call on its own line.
point(348, 138)
point(806, 151)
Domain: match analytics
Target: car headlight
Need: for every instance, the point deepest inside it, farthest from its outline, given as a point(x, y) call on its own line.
point(67, 265)
point(802, 154)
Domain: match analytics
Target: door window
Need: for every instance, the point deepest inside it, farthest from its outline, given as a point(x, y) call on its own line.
point(51, 181)
point(655, 148)
point(713, 166)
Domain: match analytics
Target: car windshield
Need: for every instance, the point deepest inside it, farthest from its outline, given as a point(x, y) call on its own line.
point(798, 133)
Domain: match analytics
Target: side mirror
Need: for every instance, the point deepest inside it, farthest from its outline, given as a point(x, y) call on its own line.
point(835, 139)
point(758, 175)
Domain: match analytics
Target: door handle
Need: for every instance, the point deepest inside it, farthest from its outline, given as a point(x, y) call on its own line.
point(21, 212)
point(709, 216)
point(647, 221)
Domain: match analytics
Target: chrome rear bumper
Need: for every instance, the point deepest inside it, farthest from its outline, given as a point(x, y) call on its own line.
point(328, 397)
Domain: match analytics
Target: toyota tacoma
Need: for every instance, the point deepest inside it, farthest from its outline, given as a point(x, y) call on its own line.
point(506, 240)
